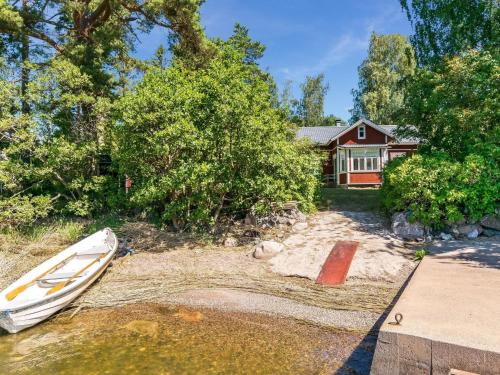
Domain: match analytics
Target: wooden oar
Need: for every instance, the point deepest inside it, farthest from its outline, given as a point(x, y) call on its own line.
point(62, 284)
point(15, 292)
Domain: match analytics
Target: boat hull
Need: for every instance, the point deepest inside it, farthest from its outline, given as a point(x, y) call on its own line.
point(15, 320)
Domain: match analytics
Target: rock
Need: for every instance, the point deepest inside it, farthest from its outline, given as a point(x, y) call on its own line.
point(250, 219)
point(469, 230)
point(299, 226)
point(36, 342)
point(445, 236)
point(402, 228)
point(290, 206)
point(230, 242)
point(300, 217)
point(251, 233)
point(491, 221)
point(291, 221)
point(473, 234)
point(491, 232)
point(189, 316)
point(143, 327)
point(267, 249)
point(282, 220)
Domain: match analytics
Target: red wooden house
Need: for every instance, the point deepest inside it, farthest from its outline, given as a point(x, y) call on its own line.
point(357, 153)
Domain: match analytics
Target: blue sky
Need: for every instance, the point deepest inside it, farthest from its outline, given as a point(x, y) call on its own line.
point(304, 37)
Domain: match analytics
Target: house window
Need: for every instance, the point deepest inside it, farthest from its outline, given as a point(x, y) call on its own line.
point(361, 132)
point(397, 154)
point(365, 160)
point(342, 161)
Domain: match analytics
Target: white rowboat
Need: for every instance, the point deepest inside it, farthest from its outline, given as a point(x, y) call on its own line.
point(56, 282)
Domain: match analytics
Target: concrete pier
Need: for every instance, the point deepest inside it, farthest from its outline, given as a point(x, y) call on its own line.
point(451, 316)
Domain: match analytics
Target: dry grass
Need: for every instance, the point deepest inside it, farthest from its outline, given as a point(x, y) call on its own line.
point(21, 250)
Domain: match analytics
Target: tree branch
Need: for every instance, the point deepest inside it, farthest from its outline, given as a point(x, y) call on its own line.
point(45, 38)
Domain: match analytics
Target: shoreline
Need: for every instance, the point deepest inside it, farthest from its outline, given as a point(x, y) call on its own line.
point(169, 268)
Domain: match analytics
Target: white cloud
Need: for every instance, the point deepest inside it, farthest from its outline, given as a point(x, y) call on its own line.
point(345, 46)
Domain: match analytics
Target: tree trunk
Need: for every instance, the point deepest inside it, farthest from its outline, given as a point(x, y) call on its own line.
point(25, 56)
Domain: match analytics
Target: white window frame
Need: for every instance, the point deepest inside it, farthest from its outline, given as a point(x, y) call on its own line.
point(358, 161)
point(342, 161)
point(364, 160)
point(398, 154)
point(359, 132)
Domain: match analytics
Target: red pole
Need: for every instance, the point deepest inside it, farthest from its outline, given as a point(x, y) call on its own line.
point(128, 183)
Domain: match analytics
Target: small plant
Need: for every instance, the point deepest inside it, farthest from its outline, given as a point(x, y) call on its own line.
point(420, 254)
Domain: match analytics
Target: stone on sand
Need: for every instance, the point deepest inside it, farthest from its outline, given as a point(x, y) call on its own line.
point(299, 226)
point(189, 316)
point(267, 249)
point(143, 327)
point(402, 227)
point(230, 242)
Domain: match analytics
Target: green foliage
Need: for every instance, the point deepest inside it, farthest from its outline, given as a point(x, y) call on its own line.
point(200, 138)
point(456, 107)
point(453, 106)
point(64, 64)
point(437, 188)
point(54, 150)
point(310, 108)
point(380, 92)
point(198, 143)
point(241, 41)
point(420, 254)
point(331, 120)
point(23, 210)
point(447, 28)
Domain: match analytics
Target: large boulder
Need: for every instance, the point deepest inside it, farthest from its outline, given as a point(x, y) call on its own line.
point(402, 228)
point(468, 230)
point(491, 221)
point(289, 214)
point(267, 249)
point(490, 232)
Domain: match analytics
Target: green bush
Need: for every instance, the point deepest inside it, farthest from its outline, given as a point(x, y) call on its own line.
point(436, 188)
point(23, 210)
point(455, 107)
point(205, 142)
point(420, 254)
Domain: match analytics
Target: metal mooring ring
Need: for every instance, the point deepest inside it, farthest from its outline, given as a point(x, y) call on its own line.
point(399, 318)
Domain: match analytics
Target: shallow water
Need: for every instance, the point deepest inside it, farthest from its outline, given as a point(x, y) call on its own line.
point(157, 339)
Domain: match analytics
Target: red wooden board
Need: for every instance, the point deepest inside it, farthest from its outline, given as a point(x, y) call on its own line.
point(336, 266)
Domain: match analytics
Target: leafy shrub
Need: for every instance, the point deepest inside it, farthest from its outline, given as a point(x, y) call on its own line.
point(420, 254)
point(23, 210)
point(456, 106)
point(199, 143)
point(436, 188)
